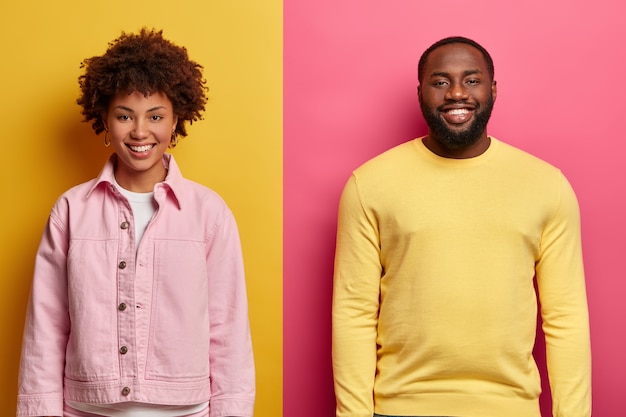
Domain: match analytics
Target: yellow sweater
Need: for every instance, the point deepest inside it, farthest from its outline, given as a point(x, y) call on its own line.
point(434, 307)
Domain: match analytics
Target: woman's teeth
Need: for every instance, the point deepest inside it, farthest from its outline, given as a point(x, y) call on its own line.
point(143, 148)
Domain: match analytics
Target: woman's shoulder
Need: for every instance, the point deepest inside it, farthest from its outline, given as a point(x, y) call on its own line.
point(80, 192)
point(196, 193)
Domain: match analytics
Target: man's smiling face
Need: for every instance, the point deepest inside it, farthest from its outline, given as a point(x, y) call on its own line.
point(456, 96)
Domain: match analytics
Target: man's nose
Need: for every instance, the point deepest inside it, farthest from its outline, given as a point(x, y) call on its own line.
point(456, 92)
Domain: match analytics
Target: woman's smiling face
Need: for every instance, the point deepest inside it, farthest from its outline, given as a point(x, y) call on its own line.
point(140, 128)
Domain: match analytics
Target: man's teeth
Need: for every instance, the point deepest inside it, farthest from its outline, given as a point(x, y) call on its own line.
point(458, 111)
point(143, 148)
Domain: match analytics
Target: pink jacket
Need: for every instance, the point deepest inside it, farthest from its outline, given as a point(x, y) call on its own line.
point(167, 326)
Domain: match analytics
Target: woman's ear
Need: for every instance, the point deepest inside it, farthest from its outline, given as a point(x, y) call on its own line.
point(104, 122)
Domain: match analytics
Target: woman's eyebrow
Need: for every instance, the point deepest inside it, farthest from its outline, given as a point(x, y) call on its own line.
point(128, 109)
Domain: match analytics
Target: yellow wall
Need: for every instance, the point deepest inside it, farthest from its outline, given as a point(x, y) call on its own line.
point(236, 150)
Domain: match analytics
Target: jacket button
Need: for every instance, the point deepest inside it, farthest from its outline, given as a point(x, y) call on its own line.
point(125, 391)
point(122, 265)
point(123, 350)
point(121, 307)
point(124, 225)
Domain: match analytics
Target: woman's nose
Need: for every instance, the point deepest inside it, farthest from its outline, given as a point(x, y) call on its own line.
point(140, 130)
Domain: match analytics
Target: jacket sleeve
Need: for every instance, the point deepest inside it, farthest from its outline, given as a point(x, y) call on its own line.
point(230, 352)
point(40, 385)
point(355, 305)
point(562, 293)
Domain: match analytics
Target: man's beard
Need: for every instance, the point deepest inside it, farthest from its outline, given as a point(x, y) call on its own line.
point(458, 139)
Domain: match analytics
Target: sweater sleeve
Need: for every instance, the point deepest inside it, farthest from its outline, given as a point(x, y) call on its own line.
point(356, 293)
point(561, 285)
point(40, 385)
point(231, 357)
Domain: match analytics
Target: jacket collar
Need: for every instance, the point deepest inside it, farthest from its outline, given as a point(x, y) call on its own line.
point(172, 186)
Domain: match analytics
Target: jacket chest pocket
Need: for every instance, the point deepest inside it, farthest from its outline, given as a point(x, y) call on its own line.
point(178, 345)
point(91, 352)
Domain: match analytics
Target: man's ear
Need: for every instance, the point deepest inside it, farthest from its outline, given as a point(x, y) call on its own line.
point(419, 93)
point(494, 90)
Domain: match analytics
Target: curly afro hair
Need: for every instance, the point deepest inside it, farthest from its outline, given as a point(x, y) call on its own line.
point(147, 63)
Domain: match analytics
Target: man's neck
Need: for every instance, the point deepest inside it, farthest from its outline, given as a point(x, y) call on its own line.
point(471, 151)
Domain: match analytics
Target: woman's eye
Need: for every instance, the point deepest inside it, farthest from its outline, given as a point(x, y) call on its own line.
point(123, 117)
point(156, 117)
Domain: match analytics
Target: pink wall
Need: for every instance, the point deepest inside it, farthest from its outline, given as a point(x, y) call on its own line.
point(349, 77)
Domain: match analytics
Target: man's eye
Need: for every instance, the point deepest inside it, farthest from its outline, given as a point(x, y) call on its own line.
point(473, 82)
point(440, 83)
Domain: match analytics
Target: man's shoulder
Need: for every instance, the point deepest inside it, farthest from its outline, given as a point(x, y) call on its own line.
point(390, 158)
point(523, 158)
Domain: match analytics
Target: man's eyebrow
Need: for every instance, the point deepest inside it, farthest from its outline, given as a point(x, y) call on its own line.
point(447, 74)
point(440, 74)
point(472, 72)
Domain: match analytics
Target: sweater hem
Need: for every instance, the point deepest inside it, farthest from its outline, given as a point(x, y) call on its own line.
point(456, 405)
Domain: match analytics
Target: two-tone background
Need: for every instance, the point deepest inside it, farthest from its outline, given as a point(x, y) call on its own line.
point(302, 92)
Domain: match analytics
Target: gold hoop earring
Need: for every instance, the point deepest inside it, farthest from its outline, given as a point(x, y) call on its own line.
point(107, 139)
point(173, 140)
